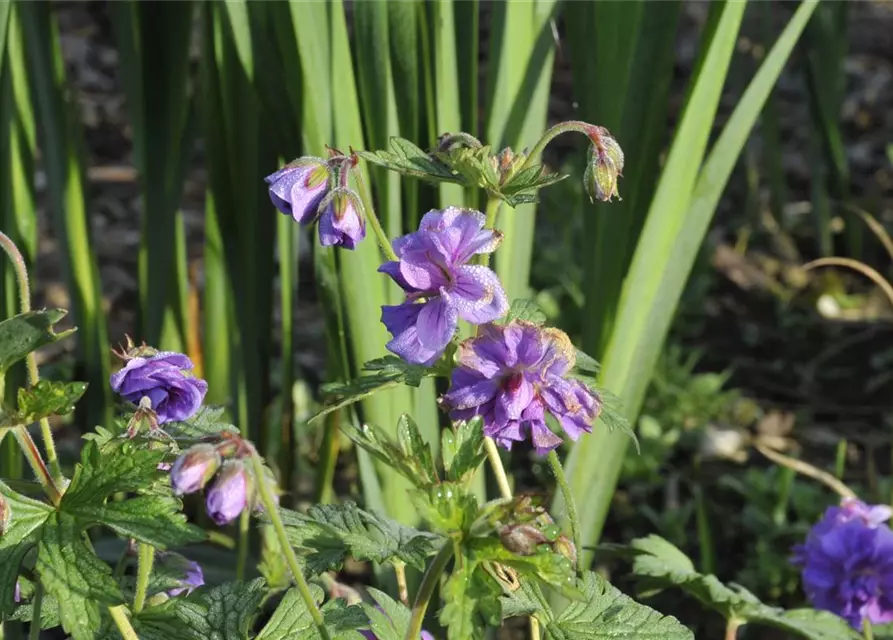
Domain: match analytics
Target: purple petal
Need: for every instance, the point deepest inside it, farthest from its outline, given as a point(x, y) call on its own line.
point(401, 321)
point(392, 269)
point(436, 324)
point(543, 438)
point(228, 496)
point(517, 393)
point(292, 194)
point(477, 294)
point(469, 391)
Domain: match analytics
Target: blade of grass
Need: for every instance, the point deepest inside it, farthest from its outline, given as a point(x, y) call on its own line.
point(677, 222)
point(18, 214)
point(448, 113)
point(61, 140)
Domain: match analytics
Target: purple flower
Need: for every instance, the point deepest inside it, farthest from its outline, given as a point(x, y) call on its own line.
point(298, 188)
point(847, 563)
point(511, 376)
point(189, 572)
point(163, 379)
point(341, 223)
point(193, 469)
point(440, 285)
point(229, 494)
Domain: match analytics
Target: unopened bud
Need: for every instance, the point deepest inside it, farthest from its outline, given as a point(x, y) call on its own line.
point(565, 547)
point(349, 594)
point(604, 165)
point(342, 221)
point(5, 515)
point(229, 494)
point(193, 469)
point(522, 539)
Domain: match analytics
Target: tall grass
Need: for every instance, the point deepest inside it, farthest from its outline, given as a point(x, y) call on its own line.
point(279, 80)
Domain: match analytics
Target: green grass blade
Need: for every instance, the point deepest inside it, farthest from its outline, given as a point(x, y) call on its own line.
point(517, 106)
point(448, 113)
point(155, 77)
point(60, 140)
point(668, 247)
point(18, 214)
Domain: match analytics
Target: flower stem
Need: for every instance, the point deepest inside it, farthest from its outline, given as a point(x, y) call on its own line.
point(366, 199)
point(502, 480)
point(272, 510)
point(426, 590)
point(146, 558)
point(807, 470)
point(32, 455)
point(119, 615)
point(21, 270)
point(36, 606)
point(402, 588)
point(570, 505)
point(732, 629)
point(493, 205)
point(589, 130)
point(867, 631)
point(242, 544)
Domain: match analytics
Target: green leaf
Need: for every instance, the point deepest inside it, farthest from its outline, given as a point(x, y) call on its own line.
point(447, 506)
point(292, 619)
point(547, 566)
point(526, 600)
point(472, 602)
point(80, 582)
point(208, 421)
point(407, 159)
point(98, 476)
point(523, 186)
point(27, 332)
point(462, 449)
point(608, 613)
point(661, 564)
point(331, 532)
point(232, 607)
point(415, 448)
point(526, 310)
point(376, 442)
point(391, 621)
point(21, 534)
point(387, 372)
point(587, 363)
point(155, 520)
point(44, 399)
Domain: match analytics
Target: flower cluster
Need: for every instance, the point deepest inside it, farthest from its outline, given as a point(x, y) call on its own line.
point(303, 190)
point(512, 375)
point(234, 486)
point(847, 563)
point(440, 286)
point(160, 380)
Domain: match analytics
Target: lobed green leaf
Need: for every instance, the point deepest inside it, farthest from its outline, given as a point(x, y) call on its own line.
point(447, 506)
point(408, 159)
point(472, 602)
point(391, 620)
point(27, 332)
point(331, 532)
point(526, 310)
point(43, 400)
point(22, 533)
point(462, 449)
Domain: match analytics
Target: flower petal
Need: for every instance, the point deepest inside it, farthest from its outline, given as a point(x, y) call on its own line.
point(477, 294)
point(401, 321)
point(436, 324)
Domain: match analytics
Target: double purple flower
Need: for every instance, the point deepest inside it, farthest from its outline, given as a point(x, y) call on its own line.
point(440, 285)
point(847, 563)
point(301, 189)
point(511, 375)
point(162, 377)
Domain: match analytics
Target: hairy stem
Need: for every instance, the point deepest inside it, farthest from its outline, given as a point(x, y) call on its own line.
point(402, 588)
point(36, 606)
point(243, 543)
point(867, 631)
point(505, 490)
point(492, 214)
point(272, 511)
point(146, 559)
point(426, 590)
point(807, 470)
point(569, 504)
point(732, 629)
point(32, 455)
point(591, 131)
point(21, 271)
point(366, 199)
point(119, 615)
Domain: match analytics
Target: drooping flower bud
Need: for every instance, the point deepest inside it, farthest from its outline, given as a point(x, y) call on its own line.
point(298, 188)
point(193, 469)
point(229, 494)
point(5, 515)
point(522, 539)
point(565, 547)
point(342, 222)
point(188, 573)
point(604, 164)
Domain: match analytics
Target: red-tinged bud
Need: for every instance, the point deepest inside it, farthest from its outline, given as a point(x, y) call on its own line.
point(603, 166)
point(193, 469)
point(522, 539)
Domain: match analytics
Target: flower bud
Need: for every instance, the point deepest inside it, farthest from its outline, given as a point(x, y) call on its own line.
point(5, 515)
point(565, 547)
point(229, 494)
point(603, 166)
point(193, 469)
point(348, 594)
point(188, 573)
point(298, 188)
point(342, 222)
point(522, 539)
point(17, 594)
